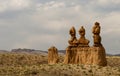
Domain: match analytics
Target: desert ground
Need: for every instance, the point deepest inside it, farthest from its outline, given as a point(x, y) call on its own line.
point(35, 64)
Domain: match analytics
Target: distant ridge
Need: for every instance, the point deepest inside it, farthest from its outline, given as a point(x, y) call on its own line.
point(117, 55)
point(4, 51)
point(24, 50)
point(19, 50)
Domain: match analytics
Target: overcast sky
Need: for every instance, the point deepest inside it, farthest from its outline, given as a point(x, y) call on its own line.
point(39, 24)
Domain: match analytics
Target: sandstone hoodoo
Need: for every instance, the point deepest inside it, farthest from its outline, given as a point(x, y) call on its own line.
point(98, 55)
point(82, 49)
point(79, 51)
point(53, 55)
point(72, 48)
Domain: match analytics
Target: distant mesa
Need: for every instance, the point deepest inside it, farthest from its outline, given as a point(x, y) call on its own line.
point(19, 50)
point(3, 51)
point(22, 50)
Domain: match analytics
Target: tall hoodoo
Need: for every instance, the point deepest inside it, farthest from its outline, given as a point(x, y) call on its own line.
point(79, 51)
point(72, 48)
point(82, 41)
point(82, 49)
point(73, 40)
point(96, 34)
point(98, 55)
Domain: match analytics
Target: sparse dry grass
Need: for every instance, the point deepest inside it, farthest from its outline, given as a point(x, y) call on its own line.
point(22, 59)
point(25, 64)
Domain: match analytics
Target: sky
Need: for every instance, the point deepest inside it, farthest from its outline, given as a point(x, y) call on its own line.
point(40, 24)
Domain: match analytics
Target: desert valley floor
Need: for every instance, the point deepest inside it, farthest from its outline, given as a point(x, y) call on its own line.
point(35, 64)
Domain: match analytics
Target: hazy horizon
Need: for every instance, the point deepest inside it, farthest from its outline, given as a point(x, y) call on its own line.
point(40, 24)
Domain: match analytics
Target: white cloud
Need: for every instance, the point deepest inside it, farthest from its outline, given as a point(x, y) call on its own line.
point(13, 4)
point(50, 5)
point(111, 21)
point(108, 2)
point(105, 2)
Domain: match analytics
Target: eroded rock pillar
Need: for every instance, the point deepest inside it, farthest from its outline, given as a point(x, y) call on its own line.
point(72, 48)
point(53, 55)
point(98, 55)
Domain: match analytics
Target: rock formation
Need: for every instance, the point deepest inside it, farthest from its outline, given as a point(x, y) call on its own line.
point(98, 55)
point(82, 41)
point(79, 51)
point(82, 49)
point(72, 48)
point(73, 40)
point(53, 55)
point(96, 34)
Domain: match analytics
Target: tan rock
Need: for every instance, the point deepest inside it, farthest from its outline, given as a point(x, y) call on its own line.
point(96, 34)
point(53, 55)
point(70, 55)
point(82, 41)
point(82, 49)
point(71, 49)
point(79, 52)
point(97, 56)
point(73, 39)
point(82, 55)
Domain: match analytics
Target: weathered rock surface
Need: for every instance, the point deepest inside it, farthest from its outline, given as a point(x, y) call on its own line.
point(96, 34)
point(82, 41)
point(70, 55)
point(82, 55)
point(53, 55)
point(73, 40)
point(97, 56)
point(83, 48)
point(79, 51)
point(72, 48)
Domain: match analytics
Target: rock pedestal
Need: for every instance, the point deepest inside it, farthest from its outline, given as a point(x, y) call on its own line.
point(83, 48)
point(82, 55)
point(72, 48)
point(53, 55)
point(97, 56)
point(70, 55)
